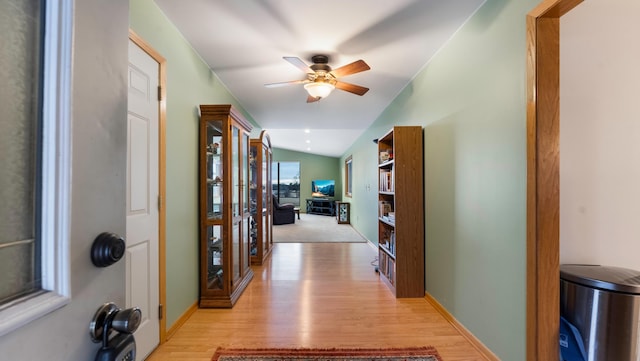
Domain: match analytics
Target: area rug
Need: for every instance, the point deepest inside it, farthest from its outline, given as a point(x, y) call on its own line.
point(383, 354)
point(313, 228)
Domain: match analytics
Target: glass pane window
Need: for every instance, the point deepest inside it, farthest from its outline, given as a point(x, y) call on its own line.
point(20, 128)
point(286, 182)
point(35, 158)
point(348, 172)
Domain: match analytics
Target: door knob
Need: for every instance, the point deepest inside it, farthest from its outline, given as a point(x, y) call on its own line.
point(107, 249)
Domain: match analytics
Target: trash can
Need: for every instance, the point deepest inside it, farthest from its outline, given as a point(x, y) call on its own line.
point(603, 303)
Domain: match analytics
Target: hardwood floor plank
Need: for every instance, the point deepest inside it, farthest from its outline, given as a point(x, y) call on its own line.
point(317, 295)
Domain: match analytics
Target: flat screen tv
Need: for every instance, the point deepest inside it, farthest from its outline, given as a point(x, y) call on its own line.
point(322, 188)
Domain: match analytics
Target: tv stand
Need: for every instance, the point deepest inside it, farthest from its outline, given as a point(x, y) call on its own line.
point(323, 206)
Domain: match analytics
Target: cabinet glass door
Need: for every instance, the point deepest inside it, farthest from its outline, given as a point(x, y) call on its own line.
point(235, 202)
point(253, 199)
point(215, 259)
point(214, 169)
point(266, 199)
point(235, 172)
point(235, 234)
point(244, 190)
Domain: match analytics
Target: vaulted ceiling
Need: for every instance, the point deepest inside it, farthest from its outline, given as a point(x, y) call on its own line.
point(244, 42)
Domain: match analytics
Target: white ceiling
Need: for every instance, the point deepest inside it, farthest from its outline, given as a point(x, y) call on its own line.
point(243, 41)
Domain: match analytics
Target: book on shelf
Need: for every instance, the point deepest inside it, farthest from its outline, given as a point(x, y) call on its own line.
point(384, 207)
point(386, 180)
point(387, 267)
point(388, 240)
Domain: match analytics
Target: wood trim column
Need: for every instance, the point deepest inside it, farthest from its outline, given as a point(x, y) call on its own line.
point(543, 178)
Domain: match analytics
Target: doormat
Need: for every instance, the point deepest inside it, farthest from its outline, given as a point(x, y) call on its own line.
point(363, 354)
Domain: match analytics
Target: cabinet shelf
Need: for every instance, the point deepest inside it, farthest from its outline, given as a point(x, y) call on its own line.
point(214, 216)
point(387, 222)
point(400, 197)
point(388, 251)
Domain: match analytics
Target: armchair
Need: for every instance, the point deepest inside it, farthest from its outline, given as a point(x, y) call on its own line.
point(283, 213)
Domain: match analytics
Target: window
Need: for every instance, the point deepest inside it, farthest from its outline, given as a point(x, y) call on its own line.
point(348, 179)
point(286, 182)
point(20, 127)
point(35, 141)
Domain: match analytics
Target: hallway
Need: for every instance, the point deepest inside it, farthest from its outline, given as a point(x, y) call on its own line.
point(317, 295)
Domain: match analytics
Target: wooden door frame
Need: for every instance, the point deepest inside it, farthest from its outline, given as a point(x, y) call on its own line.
point(543, 178)
point(162, 273)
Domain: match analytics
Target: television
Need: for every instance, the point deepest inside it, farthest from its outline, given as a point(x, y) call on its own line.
point(322, 188)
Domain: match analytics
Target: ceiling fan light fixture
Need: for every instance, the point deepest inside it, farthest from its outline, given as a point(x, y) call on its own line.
point(319, 89)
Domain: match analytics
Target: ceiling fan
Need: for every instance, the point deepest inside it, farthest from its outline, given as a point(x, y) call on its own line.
point(321, 79)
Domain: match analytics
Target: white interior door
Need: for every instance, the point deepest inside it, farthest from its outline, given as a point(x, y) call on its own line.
point(142, 282)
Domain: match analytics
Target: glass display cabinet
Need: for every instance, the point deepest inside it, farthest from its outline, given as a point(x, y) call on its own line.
point(260, 198)
point(342, 212)
point(224, 205)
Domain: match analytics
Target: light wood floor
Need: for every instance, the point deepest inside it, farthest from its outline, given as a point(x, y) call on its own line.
point(317, 295)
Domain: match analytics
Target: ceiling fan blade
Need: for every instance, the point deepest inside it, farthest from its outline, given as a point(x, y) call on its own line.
point(351, 88)
point(298, 64)
point(355, 67)
point(284, 83)
point(311, 99)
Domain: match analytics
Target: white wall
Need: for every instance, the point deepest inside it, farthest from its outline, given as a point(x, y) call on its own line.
point(600, 134)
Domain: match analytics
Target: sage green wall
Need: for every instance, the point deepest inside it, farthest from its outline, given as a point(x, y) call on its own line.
point(364, 182)
point(189, 83)
point(312, 167)
point(470, 99)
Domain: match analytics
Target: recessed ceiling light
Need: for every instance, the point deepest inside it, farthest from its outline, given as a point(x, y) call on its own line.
point(307, 141)
point(308, 148)
point(307, 131)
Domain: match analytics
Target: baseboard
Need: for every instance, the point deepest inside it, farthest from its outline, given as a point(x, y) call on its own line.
point(181, 320)
point(477, 344)
point(374, 246)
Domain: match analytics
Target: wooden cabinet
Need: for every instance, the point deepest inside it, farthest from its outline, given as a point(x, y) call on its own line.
point(224, 205)
point(342, 212)
point(260, 197)
point(401, 211)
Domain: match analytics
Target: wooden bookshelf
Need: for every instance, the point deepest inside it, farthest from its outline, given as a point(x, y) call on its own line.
point(401, 211)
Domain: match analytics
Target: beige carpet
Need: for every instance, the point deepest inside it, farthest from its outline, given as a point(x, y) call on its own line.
point(315, 228)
